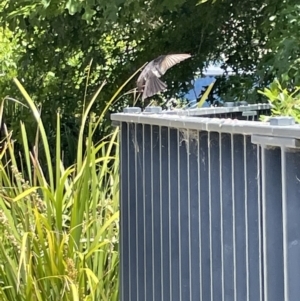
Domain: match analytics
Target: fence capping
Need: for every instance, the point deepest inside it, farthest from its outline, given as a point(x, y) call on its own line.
point(278, 126)
point(218, 110)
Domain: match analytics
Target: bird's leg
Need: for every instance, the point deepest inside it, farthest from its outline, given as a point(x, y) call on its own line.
point(136, 98)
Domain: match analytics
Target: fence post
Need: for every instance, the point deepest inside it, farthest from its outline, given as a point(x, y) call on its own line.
point(281, 213)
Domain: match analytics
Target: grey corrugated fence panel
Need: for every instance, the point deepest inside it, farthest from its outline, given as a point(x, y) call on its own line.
point(210, 209)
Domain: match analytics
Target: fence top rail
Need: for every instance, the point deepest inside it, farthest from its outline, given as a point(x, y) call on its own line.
point(278, 127)
point(219, 110)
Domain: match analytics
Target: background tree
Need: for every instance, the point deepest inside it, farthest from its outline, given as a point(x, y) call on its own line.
point(53, 43)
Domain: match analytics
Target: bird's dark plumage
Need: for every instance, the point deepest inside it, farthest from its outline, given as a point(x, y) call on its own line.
point(149, 81)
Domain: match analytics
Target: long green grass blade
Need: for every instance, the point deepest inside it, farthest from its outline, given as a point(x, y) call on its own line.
point(205, 95)
point(59, 224)
point(41, 128)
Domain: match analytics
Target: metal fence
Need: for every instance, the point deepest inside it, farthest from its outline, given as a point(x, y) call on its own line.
point(210, 208)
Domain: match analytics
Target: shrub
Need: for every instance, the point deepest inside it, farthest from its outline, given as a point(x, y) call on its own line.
point(59, 234)
point(284, 101)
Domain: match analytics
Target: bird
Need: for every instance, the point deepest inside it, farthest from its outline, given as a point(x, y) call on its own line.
point(148, 82)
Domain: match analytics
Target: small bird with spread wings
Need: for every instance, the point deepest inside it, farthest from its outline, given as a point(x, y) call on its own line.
point(148, 82)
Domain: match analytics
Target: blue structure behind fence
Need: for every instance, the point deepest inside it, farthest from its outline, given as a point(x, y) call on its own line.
point(210, 208)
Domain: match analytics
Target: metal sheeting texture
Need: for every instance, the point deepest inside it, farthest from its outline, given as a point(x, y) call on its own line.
point(207, 215)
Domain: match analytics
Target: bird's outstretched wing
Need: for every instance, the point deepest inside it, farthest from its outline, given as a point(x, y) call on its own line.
point(153, 86)
point(170, 60)
point(149, 81)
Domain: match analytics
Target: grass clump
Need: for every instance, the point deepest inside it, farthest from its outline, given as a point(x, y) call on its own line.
point(59, 225)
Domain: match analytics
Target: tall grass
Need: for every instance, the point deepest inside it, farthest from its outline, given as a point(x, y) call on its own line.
point(59, 234)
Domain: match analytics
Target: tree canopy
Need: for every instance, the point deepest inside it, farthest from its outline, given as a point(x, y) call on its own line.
point(60, 38)
point(52, 43)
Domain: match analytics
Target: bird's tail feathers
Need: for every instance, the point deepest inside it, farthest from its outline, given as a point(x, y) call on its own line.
point(153, 86)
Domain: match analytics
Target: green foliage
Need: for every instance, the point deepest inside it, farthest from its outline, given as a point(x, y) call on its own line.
point(263, 39)
point(110, 12)
point(56, 54)
point(59, 235)
point(120, 36)
point(10, 52)
point(59, 39)
point(284, 102)
point(283, 43)
point(119, 46)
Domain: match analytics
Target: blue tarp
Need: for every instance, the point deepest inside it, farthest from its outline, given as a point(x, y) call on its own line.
point(210, 75)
